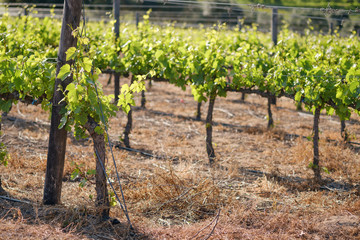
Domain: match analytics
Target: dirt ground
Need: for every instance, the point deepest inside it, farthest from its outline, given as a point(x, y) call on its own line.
point(260, 188)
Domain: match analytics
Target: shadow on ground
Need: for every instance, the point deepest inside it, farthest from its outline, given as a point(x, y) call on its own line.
point(81, 221)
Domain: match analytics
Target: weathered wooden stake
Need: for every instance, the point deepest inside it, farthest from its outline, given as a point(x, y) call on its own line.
point(57, 138)
point(116, 9)
point(274, 25)
point(116, 86)
point(316, 160)
point(274, 34)
point(209, 122)
point(26, 12)
point(143, 96)
point(239, 23)
point(270, 120)
point(331, 28)
point(137, 19)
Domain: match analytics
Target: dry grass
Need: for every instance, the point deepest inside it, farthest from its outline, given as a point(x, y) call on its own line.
point(260, 188)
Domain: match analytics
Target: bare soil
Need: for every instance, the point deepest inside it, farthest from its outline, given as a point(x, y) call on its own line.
point(260, 187)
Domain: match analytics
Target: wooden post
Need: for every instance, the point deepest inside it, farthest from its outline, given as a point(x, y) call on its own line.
point(209, 122)
point(26, 13)
point(274, 34)
point(274, 25)
point(116, 86)
point(57, 138)
point(331, 28)
point(239, 23)
point(315, 166)
point(116, 9)
point(137, 19)
point(143, 97)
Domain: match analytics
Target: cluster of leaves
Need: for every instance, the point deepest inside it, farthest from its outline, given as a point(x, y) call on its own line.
point(28, 71)
point(78, 173)
point(27, 66)
point(27, 55)
point(320, 71)
point(84, 96)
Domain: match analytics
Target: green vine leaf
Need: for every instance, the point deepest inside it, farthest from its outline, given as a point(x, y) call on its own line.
point(63, 121)
point(64, 72)
point(87, 64)
point(71, 53)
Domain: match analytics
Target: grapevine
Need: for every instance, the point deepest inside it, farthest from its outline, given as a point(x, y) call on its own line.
point(318, 71)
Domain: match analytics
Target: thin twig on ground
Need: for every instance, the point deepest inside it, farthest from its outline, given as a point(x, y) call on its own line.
point(216, 219)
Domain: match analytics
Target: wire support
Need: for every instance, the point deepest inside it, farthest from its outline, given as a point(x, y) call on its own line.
point(229, 10)
point(328, 9)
